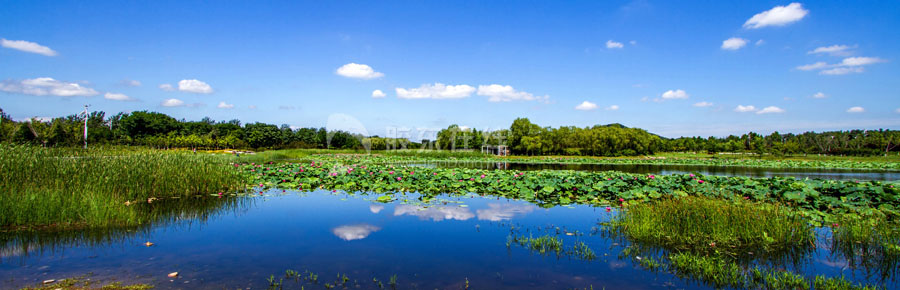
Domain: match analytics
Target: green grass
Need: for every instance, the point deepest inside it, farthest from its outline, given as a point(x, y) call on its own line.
point(42, 187)
point(81, 283)
point(868, 242)
point(705, 225)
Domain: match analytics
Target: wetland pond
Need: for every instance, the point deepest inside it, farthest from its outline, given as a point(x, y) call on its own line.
point(448, 243)
point(660, 169)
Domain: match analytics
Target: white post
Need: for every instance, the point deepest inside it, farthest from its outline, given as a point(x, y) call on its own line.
point(85, 125)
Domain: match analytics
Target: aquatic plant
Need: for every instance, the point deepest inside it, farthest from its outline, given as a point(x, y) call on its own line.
point(42, 187)
point(869, 242)
point(705, 225)
point(815, 199)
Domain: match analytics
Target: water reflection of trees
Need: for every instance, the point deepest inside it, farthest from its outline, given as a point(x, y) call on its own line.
point(178, 213)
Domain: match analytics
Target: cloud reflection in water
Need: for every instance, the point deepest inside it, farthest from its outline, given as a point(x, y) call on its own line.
point(437, 213)
point(501, 212)
point(354, 232)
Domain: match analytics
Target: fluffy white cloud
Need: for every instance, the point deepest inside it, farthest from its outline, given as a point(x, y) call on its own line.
point(501, 93)
point(166, 87)
point(744, 109)
point(612, 44)
point(633, 42)
point(703, 104)
point(734, 43)
point(675, 94)
point(842, 70)
point(172, 103)
point(770, 110)
point(378, 94)
point(837, 50)
point(117, 97)
point(436, 91)
point(194, 86)
point(778, 16)
point(354, 232)
point(813, 66)
point(860, 61)
point(224, 105)
point(46, 86)
point(819, 95)
point(856, 110)
point(612, 108)
point(586, 106)
point(130, 83)
point(27, 46)
point(760, 42)
point(358, 71)
point(846, 66)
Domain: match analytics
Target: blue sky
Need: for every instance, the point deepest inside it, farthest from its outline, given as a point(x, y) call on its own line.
point(672, 67)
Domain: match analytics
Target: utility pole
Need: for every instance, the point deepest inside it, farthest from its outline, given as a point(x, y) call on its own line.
point(85, 125)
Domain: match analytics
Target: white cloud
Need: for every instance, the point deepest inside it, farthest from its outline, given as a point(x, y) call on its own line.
point(860, 61)
point(760, 42)
point(813, 66)
point(744, 109)
point(633, 42)
point(117, 97)
point(252, 107)
point(27, 46)
point(46, 86)
point(354, 232)
point(194, 86)
point(436, 91)
point(846, 66)
point(358, 71)
point(501, 93)
point(842, 70)
point(733, 43)
point(897, 110)
point(586, 106)
point(856, 110)
point(224, 105)
point(837, 50)
point(130, 83)
point(378, 94)
point(819, 95)
point(703, 104)
point(172, 103)
point(166, 87)
point(675, 94)
point(770, 110)
point(777, 16)
point(286, 107)
point(612, 44)
point(376, 208)
point(612, 108)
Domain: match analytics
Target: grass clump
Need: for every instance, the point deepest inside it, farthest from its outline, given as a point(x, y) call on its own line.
point(41, 187)
point(869, 242)
point(706, 225)
point(81, 283)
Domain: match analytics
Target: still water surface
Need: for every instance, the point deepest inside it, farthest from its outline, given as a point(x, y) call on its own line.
point(436, 247)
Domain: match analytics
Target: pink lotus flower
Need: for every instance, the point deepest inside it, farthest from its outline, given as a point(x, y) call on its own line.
point(392, 172)
point(621, 199)
point(220, 194)
point(482, 176)
point(435, 173)
point(399, 178)
point(692, 175)
point(472, 179)
point(700, 181)
point(608, 209)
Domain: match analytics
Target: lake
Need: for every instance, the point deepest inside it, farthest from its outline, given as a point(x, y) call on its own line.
point(440, 245)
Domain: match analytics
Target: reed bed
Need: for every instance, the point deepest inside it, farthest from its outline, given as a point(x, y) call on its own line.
point(42, 187)
point(707, 225)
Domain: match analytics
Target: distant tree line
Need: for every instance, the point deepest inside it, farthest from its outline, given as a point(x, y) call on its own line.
point(522, 138)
